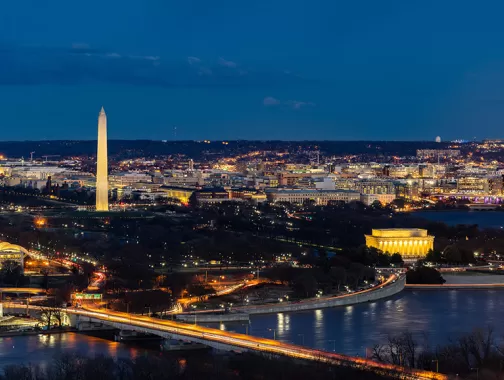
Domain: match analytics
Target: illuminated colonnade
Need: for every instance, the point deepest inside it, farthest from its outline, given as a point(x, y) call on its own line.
point(411, 243)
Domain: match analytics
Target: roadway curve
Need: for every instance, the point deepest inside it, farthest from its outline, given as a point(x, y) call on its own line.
point(246, 342)
point(393, 285)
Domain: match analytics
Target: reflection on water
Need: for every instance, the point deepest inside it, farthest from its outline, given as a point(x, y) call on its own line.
point(433, 316)
point(42, 349)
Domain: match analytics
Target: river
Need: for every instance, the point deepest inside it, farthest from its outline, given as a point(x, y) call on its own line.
point(484, 219)
point(41, 349)
point(434, 316)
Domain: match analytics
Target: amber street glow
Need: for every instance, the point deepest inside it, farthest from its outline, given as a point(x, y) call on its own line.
point(251, 343)
point(248, 342)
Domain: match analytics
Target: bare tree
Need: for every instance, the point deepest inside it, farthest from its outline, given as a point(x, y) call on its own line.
point(399, 350)
point(51, 315)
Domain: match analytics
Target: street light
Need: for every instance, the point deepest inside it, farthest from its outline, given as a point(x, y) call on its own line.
point(437, 364)
point(334, 344)
point(274, 333)
point(477, 372)
point(302, 336)
point(194, 308)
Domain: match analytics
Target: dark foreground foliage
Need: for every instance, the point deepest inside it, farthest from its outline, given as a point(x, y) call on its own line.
point(244, 366)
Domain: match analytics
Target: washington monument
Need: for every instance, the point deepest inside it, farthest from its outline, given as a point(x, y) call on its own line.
point(102, 164)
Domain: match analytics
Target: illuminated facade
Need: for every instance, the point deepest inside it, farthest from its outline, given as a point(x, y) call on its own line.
point(12, 252)
point(102, 164)
point(321, 197)
point(411, 243)
point(181, 193)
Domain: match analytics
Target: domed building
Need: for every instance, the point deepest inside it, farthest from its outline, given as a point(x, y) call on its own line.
point(12, 252)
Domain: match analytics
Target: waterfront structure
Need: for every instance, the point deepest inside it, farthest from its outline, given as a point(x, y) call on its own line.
point(102, 164)
point(321, 197)
point(12, 252)
point(411, 243)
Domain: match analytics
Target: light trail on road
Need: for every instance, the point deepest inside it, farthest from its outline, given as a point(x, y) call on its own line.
point(247, 342)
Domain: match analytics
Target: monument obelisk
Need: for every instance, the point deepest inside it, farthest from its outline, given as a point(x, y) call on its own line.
point(102, 164)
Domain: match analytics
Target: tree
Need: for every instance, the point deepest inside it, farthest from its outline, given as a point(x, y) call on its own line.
point(396, 259)
point(51, 316)
point(399, 350)
point(45, 277)
point(306, 285)
point(200, 290)
point(377, 205)
point(452, 254)
point(424, 275)
point(398, 203)
point(338, 276)
point(433, 256)
point(11, 273)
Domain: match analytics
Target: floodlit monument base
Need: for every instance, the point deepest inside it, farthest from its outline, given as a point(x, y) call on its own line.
point(410, 243)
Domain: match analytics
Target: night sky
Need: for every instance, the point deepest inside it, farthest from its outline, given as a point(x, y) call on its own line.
point(252, 69)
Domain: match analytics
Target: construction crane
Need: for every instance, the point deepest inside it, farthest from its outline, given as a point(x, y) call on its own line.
point(31, 156)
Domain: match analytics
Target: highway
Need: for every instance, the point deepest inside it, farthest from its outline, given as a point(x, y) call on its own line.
point(240, 341)
point(248, 342)
point(23, 290)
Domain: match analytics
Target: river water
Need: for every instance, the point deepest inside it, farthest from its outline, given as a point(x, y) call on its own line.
point(484, 219)
point(433, 316)
point(41, 349)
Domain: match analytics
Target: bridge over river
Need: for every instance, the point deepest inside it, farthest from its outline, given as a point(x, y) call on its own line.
point(228, 341)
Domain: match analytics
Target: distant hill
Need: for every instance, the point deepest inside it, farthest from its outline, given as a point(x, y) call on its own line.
point(196, 149)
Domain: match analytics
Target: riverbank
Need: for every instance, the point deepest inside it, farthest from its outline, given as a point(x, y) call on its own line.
point(209, 318)
point(65, 330)
point(395, 284)
point(454, 286)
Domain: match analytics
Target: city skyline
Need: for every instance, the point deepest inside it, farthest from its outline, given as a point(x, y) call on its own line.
point(323, 71)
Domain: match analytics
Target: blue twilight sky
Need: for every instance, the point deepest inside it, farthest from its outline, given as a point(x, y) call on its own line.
point(252, 69)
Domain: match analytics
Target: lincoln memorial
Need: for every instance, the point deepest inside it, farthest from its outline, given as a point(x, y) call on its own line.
point(411, 243)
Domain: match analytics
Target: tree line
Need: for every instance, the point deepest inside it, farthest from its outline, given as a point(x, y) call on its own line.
point(245, 366)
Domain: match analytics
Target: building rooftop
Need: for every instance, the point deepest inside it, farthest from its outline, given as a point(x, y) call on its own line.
point(310, 191)
point(399, 232)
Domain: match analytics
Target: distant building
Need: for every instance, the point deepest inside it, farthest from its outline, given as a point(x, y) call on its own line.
point(214, 195)
point(411, 243)
point(384, 199)
point(375, 187)
point(247, 194)
point(183, 179)
point(472, 185)
point(12, 252)
point(438, 139)
point(127, 179)
point(435, 153)
point(321, 197)
point(291, 179)
point(181, 193)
